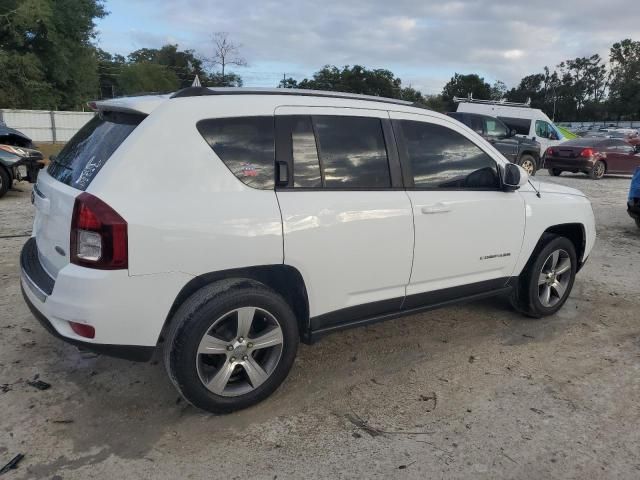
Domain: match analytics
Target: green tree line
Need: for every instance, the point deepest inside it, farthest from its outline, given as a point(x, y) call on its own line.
point(49, 60)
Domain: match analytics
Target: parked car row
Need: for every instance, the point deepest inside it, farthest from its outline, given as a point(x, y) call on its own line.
point(18, 159)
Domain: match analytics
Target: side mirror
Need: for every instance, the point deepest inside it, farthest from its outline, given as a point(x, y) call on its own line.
point(514, 177)
point(636, 148)
point(553, 136)
point(512, 132)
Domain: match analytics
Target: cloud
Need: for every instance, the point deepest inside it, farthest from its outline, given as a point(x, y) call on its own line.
point(422, 41)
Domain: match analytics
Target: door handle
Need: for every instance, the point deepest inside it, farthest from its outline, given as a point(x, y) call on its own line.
point(436, 208)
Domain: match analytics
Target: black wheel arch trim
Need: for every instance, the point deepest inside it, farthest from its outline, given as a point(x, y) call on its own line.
point(278, 277)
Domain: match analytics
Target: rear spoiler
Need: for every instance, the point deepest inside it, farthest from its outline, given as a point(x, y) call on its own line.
point(143, 105)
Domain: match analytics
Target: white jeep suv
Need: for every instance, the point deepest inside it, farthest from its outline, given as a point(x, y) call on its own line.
point(223, 226)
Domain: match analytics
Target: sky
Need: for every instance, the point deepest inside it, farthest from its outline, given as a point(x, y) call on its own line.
point(423, 42)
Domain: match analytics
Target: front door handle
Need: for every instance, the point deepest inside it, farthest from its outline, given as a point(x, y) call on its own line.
point(436, 208)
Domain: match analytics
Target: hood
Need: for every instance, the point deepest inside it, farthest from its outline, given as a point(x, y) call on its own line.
point(548, 187)
point(11, 153)
point(10, 136)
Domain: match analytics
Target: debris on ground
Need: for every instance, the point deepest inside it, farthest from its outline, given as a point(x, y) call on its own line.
point(430, 398)
point(39, 384)
point(13, 464)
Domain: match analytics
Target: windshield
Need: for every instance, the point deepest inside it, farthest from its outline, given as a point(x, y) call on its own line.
point(89, 149)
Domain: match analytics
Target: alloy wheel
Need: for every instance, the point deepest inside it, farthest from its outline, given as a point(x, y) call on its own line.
point(554, 278)
point(239, 352)
point(528, 166)
point(599, 169)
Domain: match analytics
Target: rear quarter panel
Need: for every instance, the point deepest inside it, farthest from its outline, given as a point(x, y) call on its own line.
point(185, 210)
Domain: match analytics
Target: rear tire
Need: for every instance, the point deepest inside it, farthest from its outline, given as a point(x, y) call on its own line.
point(5, 182)
point(555, 172)
point(546, 281)
point(528, 163)
point(598, 170)
point(230, 345)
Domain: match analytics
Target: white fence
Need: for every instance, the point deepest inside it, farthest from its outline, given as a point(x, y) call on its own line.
point(44, 126)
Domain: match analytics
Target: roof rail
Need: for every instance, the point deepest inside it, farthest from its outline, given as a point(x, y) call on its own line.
point(502, 102)
point(201, 91)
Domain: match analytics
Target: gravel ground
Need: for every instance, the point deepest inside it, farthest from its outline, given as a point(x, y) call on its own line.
point(470, 391)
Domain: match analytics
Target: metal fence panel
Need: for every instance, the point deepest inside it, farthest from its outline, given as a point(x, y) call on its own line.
point(45, 126)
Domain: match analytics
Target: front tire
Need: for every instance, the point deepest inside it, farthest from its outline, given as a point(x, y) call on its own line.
point(528, 163)
point(231, 345)
point(598, 170)
point(555, 172)
point(548, 278)
point(5, 182)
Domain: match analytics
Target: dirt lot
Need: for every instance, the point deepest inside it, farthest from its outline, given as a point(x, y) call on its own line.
point(471, 391)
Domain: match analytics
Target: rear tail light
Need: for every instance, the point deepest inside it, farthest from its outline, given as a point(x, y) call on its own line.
point(587, 152)
point(550, 152)
point(98, 235)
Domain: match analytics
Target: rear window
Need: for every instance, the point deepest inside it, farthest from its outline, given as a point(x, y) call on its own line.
point(245, 145)
point(520, 125)
point(86, 153)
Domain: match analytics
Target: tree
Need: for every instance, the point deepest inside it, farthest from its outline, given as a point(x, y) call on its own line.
point(498, 90)
point(288, 83)
point(147, 77)
point(47, 60)
point(184, 63)
point(217, 80)
point(358, 79)
point(624, 87)
point(225, 52)
point(109, 69)
point(463, 86)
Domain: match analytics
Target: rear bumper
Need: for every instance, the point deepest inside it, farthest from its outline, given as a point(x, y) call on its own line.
point(127, 312)
point(135, 353)
point(571, 164)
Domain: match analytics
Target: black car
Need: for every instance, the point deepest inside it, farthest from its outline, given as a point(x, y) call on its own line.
point(18, 159)
point(518, 150)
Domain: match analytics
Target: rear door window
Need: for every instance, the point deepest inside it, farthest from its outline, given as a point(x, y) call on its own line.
point(543, 129)
point(306, 166)
point(475, 123)
point(87, 152)
point(494, 128)
point(353, 153)
point(245, 145)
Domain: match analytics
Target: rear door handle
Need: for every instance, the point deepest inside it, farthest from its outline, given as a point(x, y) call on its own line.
point(436, 208)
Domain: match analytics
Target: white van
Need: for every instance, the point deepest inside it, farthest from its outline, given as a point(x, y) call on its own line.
point(526, 121)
